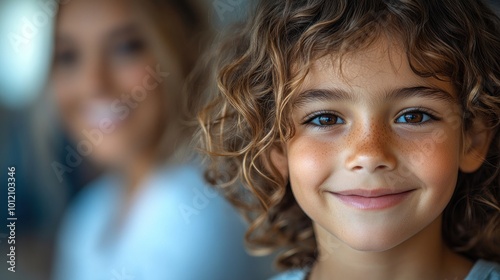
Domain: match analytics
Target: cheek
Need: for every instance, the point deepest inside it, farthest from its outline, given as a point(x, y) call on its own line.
point(130, 76)
point(149, 117)
point(61, 92)
point(148, 120)
point(133, 73)
point(436, 165)
point(66, 101)
point(134, 79)
point(441, 167)
point(311, 163)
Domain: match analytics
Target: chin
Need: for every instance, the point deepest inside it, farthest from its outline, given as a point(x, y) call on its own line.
point(108, 153)
point(372, 240)
point(371, 245)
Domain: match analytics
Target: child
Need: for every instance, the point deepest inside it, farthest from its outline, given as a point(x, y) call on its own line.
point(365, 134)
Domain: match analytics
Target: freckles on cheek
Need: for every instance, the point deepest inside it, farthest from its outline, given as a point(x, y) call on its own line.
point(310, 163)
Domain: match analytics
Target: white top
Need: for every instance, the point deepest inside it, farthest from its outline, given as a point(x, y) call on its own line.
point(177, 228)
point(482, 270)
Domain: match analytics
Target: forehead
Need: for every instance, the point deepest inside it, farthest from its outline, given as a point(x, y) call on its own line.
point(92, 18)
point(379, 68)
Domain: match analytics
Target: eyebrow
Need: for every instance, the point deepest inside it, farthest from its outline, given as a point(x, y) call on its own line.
point(315, 95)
point(63, 39)
point(126, 29)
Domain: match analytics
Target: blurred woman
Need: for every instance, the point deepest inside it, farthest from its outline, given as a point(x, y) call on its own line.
point(117, 78)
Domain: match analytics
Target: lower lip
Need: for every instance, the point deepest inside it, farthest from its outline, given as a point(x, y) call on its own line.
point(373, 203)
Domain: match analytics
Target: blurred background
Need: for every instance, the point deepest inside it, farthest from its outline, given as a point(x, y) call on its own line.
point(36, 139)
point(32, 141)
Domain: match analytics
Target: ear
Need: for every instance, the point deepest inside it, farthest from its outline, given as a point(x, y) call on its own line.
point(279, 160)
point(476, 144)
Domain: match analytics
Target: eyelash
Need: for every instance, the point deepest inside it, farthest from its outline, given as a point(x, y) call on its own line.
point(309, 119)
point(66, 58)
point(130, 47)
point(423, 111)
point(431, 117)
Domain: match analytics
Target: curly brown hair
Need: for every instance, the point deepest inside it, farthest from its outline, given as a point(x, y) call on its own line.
point(264, 61)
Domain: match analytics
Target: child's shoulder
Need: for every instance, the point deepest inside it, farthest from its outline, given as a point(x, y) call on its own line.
point(484, 270)
point(295, 274)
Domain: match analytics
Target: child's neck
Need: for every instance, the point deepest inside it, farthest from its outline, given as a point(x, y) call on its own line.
point(423, 256)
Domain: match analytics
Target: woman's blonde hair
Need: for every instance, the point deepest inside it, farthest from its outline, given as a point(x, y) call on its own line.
point(260, 65)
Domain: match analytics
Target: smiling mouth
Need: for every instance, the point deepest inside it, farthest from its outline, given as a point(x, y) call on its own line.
point(372, 199)
point(98, 111)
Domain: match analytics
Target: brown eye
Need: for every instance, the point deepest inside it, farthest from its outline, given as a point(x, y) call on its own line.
point(130, 47)
point(414, 118)
point(326, 120)
point(66, 58)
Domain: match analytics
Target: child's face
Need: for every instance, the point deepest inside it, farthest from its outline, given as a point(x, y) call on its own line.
point(377, 149)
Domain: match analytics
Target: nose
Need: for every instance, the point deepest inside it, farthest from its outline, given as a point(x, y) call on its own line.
point(369, 149)
point(93, 79)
